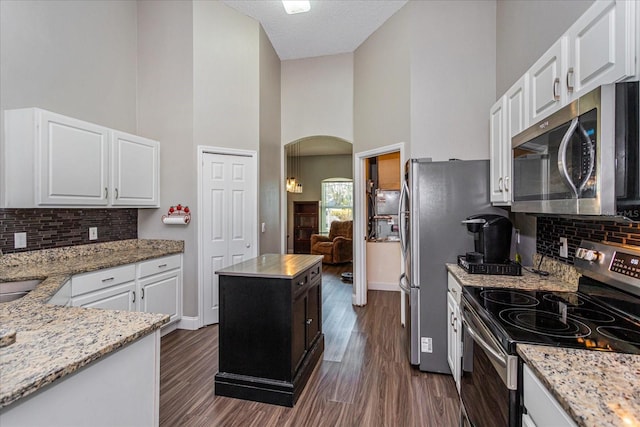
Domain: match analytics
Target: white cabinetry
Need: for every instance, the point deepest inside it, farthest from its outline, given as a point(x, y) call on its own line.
point(454, 329)
point(508, 117)
point(134, 175)
point(546, 93)
point(58, 161)
point(540, 407)
point(153, 286)
point(160, 284)
point(599, 48)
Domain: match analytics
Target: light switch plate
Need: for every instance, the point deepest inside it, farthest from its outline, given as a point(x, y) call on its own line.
point(93, 233)
point(19, 240)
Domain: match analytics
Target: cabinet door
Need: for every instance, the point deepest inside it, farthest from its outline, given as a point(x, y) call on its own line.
point(516, 120)
point(314, 314)
point(298, 332)
point(135, 170)
point(451, 336)
point(601, 46)
point(546, 82)
point(160, 294)
point(73, 161)
point(119, 297)
point(496, 137)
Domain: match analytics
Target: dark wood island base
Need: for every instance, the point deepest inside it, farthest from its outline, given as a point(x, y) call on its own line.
point(270, 332)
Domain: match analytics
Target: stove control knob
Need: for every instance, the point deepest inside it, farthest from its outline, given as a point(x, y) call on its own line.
point(588, 254)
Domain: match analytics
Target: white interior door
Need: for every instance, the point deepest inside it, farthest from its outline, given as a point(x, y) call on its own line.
point(229, 218)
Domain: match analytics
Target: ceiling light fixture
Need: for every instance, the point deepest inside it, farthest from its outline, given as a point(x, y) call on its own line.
point(296, 6)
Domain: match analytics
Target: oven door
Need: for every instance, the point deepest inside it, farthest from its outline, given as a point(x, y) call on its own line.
point(489, 381)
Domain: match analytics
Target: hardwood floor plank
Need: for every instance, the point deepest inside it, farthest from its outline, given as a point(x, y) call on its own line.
point(364, 378)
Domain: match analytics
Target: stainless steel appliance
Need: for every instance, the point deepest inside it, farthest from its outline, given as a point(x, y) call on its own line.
point(435, 198)
point(583, 159)
point(385, 219)
point(603, 315)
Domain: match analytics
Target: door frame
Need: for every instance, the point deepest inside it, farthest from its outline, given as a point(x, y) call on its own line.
point(202, 150)
point(359, 295)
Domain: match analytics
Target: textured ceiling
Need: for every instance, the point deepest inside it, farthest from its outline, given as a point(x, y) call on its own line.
point(331, 27)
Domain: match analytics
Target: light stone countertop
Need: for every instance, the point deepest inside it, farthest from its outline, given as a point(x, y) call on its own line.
point(52, 341)
point(595, 388)
point(272, 265)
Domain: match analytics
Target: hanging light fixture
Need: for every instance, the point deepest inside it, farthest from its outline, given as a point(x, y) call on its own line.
point(293, 168)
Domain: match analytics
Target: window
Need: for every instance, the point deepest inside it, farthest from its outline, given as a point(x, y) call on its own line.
point(337, 202)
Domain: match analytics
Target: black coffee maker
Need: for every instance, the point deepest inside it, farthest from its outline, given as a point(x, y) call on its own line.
point(492, 238)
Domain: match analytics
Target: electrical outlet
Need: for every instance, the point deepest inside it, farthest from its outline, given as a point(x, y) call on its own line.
point(564, 247)
point(93, 233)
point(19, 240)
point(263, 227)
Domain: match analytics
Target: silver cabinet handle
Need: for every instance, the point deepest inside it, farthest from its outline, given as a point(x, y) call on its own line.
point(134, 296)
point(556, 92)
point(309, 321)
point(301, 283)
point(500, 186)
point(455, 324)
point(453, 291)
point(106, 192)
point(451, 319)
point(142, 293)
point(116, 193)
point(506, 184)
point(108, 279)
point(570, 82)
point(162, 265)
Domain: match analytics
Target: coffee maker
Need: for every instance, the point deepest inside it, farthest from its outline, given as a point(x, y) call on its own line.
point(492, 245)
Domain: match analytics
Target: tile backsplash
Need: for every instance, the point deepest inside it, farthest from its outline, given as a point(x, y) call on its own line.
point(54, 228)
point(550, 229)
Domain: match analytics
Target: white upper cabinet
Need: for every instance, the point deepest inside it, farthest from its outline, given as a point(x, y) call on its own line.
point(546, 93)
point(72, 166)
point(601, 46)
point(135, 172)
point(51, 160)
point(508, 117)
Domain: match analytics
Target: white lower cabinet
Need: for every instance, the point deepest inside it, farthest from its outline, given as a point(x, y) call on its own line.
point(153, 286)
point(454, 329)
point(540, 407)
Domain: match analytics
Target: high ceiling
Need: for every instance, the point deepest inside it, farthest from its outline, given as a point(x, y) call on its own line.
point(330, 27)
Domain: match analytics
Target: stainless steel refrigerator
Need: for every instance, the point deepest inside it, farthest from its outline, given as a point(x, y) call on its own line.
point(435, 198)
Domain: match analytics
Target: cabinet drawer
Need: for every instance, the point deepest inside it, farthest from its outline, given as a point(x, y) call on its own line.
point(542, 407)
point(159, 265)
point(88, 282)
point(301, 281)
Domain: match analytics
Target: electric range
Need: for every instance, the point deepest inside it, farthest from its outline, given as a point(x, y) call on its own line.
point(603, 315)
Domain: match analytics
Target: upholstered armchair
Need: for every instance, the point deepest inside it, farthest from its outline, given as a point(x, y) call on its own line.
point(338, 246)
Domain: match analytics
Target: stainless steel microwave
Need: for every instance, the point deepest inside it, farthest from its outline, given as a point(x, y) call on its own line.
point(583, 159)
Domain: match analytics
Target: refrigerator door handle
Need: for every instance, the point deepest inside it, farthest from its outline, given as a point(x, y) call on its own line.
point(404, 193)
point(404, 288)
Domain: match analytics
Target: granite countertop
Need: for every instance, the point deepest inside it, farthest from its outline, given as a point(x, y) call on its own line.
point(528, 281)
point(272, 265)
point(53, 341)
point(595, 388)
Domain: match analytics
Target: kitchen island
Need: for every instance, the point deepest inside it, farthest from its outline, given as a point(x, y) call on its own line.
point(270, 327)
point(72, 365)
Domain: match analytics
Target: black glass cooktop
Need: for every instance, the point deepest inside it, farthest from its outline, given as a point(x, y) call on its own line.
point(596, 317)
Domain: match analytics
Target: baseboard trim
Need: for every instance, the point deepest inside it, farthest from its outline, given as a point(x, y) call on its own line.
point(383, 286)
point(190, 323)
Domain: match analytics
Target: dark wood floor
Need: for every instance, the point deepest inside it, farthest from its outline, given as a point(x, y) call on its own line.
point(364, 378)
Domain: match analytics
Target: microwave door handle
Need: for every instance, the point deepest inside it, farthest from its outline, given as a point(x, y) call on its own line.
point(562, 156)
point(592, 160)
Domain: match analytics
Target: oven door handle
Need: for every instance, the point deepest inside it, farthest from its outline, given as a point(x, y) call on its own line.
point(502, 360)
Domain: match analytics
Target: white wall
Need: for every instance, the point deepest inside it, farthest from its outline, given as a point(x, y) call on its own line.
point(73, 58)
point(165, 113)
point(453, 61)
point(270, 148)
point(383, 85)
point(317, 97)
point(525, 30)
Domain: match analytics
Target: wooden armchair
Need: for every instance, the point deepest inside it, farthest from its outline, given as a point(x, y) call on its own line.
point(338, 246)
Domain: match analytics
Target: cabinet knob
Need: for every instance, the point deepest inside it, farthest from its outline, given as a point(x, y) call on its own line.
point(309, 321)
point(248, 245)
point(301, 283)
